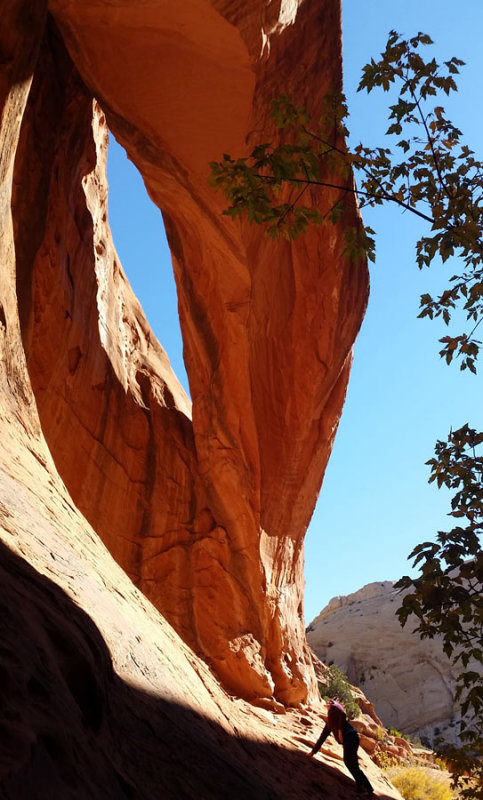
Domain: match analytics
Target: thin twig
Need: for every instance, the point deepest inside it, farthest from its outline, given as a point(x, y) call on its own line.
point(353, 190)
point(292, 205)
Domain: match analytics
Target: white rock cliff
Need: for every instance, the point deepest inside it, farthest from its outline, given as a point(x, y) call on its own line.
point(411, 682)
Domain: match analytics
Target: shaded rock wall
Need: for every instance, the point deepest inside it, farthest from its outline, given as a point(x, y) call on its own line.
point(206, 510)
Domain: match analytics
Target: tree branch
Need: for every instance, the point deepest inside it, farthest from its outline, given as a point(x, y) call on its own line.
point(353, 190)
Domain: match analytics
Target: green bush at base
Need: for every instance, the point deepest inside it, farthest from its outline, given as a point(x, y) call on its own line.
point(338, 688)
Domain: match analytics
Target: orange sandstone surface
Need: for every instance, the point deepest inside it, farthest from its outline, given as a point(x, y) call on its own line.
point(205, 509)
point(152, 551)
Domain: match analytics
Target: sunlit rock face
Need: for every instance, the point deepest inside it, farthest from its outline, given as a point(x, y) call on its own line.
point(411, 681)
point(205, 508)
point(100, 698)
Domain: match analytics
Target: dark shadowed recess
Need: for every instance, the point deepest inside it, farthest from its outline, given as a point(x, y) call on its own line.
point(70, 728)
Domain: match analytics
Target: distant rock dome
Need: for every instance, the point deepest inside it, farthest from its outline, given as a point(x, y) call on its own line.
point(410, 681)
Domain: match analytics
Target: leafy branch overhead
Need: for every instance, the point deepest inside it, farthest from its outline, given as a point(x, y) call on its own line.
point(428, 172)
point(447, 598)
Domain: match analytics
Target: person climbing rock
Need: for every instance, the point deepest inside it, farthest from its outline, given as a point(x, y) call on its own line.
point(347, 736)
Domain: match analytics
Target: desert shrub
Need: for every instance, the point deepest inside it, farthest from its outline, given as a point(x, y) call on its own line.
point(380, 734)
point(337, 687)
point(417, 783)
point(384, 760)
point(442, 764)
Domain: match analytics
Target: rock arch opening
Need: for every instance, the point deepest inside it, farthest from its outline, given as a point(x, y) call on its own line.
point(140, 240)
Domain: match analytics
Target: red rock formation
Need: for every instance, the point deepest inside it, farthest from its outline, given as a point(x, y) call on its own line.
point(106, 396)
point(99, 696)
point(207, 518)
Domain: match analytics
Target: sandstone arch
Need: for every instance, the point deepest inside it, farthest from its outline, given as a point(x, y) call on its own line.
point(206, 509)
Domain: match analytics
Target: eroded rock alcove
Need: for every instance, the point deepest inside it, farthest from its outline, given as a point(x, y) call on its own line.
point(205, 511)
point(204, 508)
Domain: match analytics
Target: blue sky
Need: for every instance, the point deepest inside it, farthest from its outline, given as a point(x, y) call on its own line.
point(375, 504)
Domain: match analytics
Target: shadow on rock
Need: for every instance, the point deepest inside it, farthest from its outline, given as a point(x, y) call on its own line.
point(71, 729)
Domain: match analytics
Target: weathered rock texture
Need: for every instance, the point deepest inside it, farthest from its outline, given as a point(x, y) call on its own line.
point(99, 696)
point(206, 512)
point(410, 681)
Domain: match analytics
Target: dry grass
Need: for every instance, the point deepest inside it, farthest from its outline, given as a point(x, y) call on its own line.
point(421, 783)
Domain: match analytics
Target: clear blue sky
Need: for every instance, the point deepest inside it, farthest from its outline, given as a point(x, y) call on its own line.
point(375, 504)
